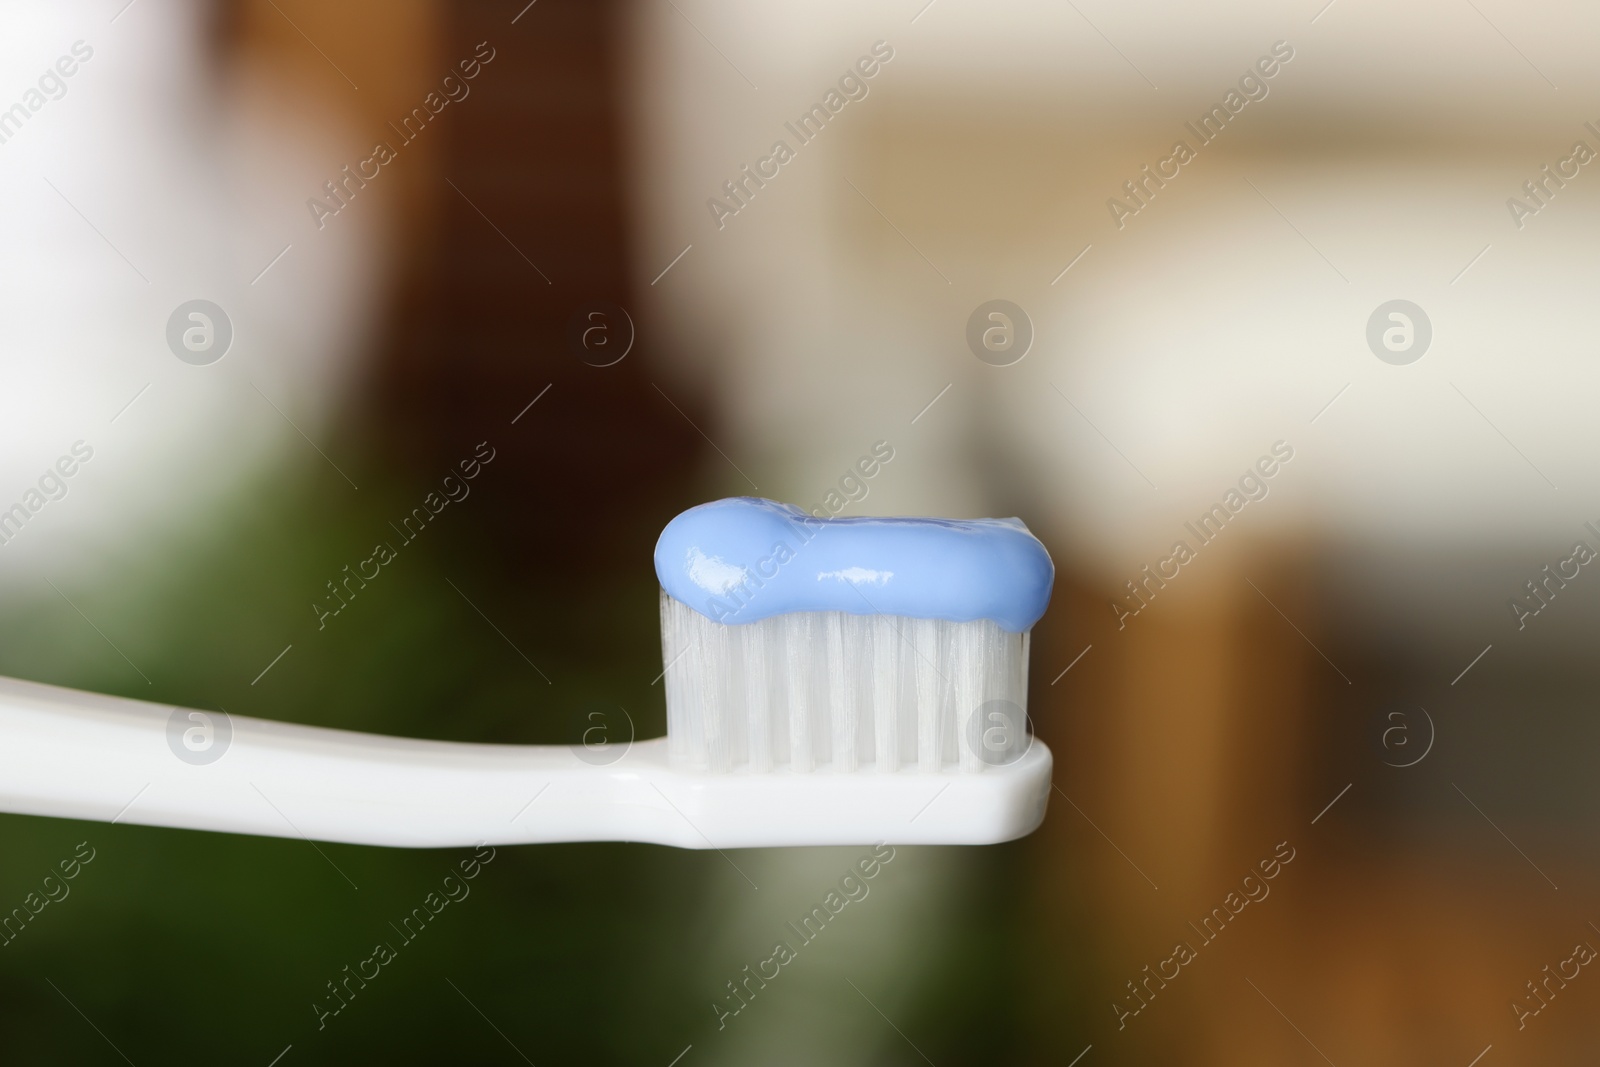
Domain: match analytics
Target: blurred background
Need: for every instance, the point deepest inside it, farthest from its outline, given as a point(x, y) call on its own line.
point(1381, 668)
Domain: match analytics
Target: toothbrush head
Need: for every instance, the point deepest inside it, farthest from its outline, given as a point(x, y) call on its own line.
point(880, 661)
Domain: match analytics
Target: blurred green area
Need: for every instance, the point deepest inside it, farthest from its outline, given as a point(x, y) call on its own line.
point(184, 947)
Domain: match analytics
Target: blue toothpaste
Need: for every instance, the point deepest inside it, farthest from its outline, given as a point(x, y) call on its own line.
point(745, 559)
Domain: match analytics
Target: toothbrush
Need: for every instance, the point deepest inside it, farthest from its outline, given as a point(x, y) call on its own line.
point(828, 681)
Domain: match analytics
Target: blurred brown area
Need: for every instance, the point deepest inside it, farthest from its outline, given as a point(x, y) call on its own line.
point(1196, 740)
point(389, 59)
point(513, 220)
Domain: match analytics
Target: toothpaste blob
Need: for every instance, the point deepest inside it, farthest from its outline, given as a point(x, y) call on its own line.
point(745, 559)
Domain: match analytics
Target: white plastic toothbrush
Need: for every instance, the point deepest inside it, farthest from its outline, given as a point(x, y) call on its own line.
point(838, 681)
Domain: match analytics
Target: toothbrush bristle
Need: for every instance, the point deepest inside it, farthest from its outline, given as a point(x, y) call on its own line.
point(829, 690)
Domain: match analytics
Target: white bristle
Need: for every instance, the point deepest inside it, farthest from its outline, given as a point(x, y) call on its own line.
point(684, 731)
point(837, 694)
point(799, 646)
point(929, 696)
point(886, 647)
point(757, 709)
point(718, 661)
point(968, 665)
point(832, 691)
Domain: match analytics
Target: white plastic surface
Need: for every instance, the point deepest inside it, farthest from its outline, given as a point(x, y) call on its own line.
point(86, 756)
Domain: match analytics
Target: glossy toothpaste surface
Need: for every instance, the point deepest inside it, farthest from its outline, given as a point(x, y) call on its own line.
point(744, 559)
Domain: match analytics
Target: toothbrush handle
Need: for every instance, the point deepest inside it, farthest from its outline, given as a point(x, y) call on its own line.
point(78, 755)
point(81, 755)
